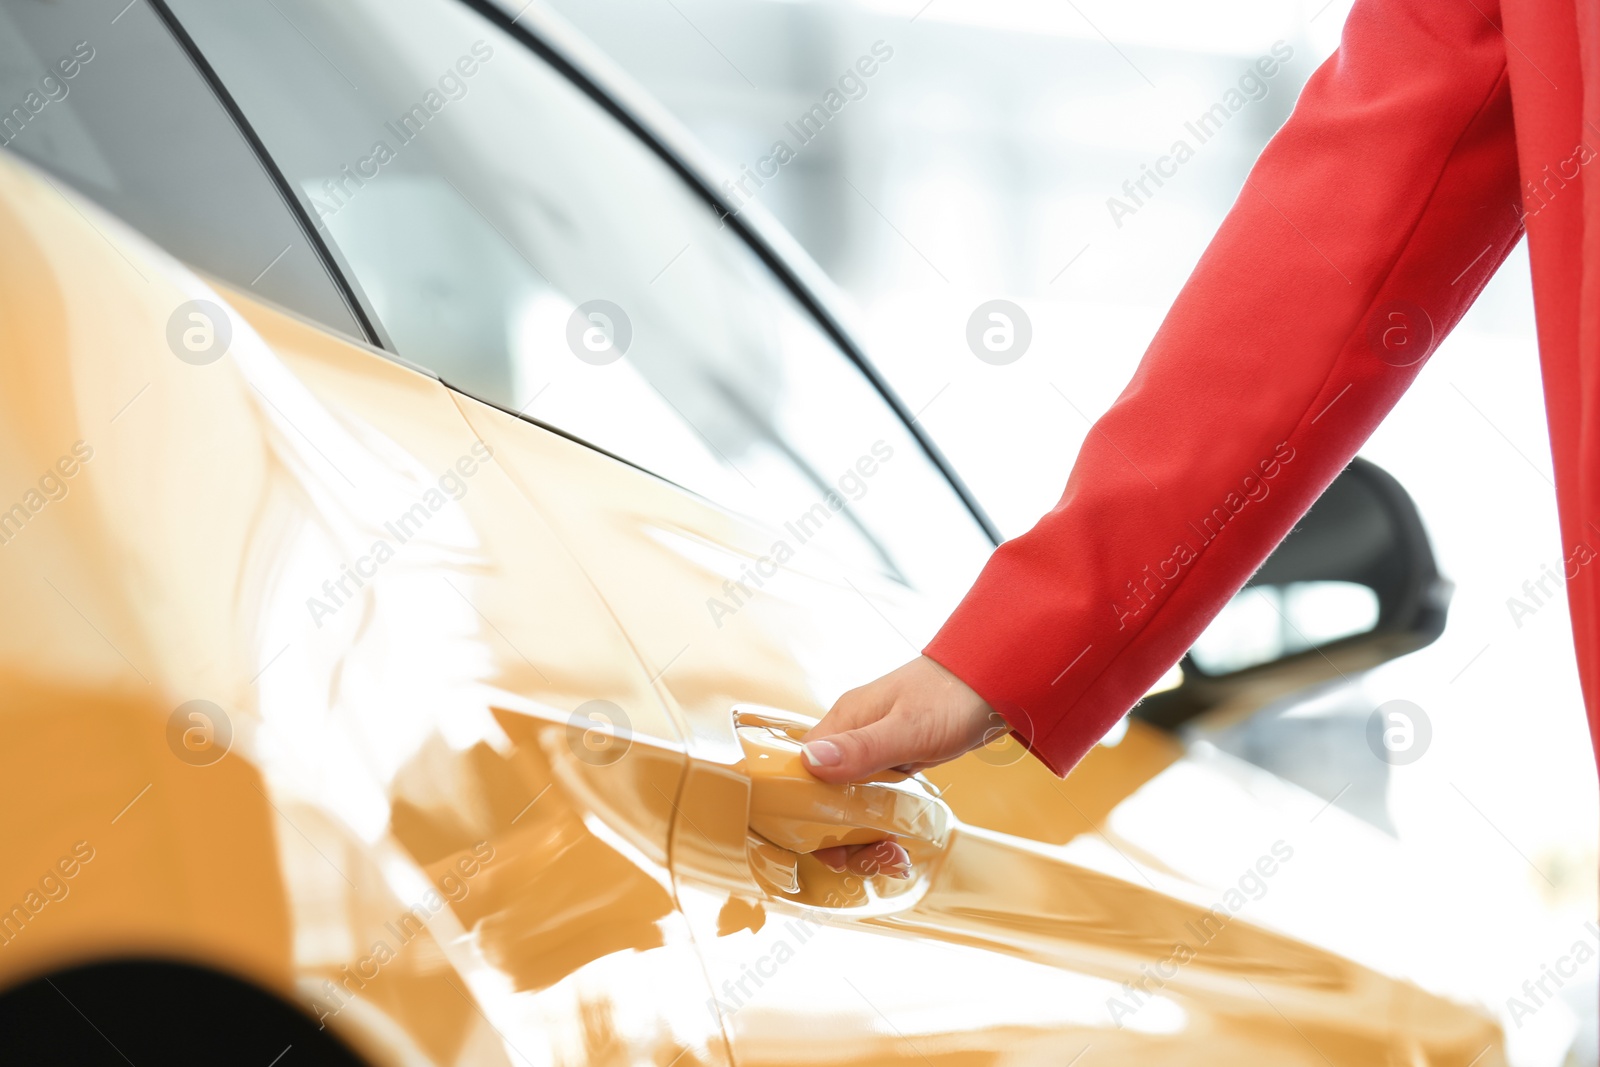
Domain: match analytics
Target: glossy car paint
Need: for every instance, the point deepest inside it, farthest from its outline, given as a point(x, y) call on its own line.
point(424, 827)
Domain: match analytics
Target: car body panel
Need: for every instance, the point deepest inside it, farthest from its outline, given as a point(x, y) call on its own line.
point(372, 766)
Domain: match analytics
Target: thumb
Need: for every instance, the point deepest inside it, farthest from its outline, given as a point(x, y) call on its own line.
point(855, 754)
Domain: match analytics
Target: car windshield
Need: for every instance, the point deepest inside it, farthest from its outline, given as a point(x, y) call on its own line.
point(514, 237)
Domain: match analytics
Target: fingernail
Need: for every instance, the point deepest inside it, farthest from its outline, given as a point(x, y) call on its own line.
point(898, 863)
point(822, 753)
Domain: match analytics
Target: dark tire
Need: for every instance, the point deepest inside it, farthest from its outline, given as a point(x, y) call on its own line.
point(152, 1014)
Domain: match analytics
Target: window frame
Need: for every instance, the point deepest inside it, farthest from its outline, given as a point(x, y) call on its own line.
point(332, 262)
point(570, 69)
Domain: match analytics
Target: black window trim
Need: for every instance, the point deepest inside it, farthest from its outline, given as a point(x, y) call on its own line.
point(332, 261)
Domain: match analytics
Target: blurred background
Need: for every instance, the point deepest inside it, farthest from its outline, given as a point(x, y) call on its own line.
point(976, 163)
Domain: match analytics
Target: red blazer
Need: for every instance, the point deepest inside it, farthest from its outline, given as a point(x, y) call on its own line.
point(1415, 158)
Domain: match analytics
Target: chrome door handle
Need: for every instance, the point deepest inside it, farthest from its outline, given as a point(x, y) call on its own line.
point(798, 814)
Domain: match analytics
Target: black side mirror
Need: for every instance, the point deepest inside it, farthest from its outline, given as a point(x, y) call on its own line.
point(1354, 585)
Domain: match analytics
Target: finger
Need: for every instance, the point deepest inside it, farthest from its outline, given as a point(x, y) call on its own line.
point(860, 753)
point(835, 857)
point(854, 709)
point(880, 857)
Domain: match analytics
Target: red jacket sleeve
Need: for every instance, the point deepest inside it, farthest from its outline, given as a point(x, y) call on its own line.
point(1365, 230)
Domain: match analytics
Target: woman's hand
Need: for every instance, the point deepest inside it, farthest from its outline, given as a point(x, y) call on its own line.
point(916, 716)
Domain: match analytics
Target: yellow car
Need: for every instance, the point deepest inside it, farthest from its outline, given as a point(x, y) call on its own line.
point(428, 516)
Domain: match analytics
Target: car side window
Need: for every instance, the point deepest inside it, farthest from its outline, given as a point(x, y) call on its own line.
point(105, 100)
point(519, 241)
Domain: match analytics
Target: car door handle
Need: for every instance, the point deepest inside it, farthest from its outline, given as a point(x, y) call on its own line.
point(792, 813)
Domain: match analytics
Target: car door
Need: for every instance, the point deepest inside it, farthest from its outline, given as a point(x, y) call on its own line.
point(384, 796)
point(765, 528)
